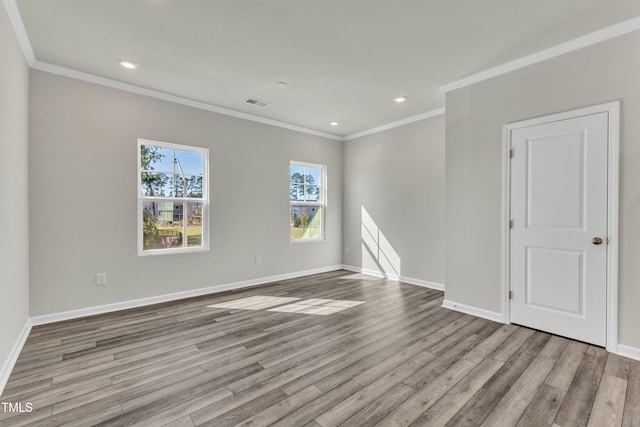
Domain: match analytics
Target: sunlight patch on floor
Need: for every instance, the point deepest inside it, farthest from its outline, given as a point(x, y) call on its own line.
point(322, 307)
point(254, 303)
point(317, 306)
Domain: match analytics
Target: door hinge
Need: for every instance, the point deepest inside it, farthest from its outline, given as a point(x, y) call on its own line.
point(510, 294)
point(510, 223)
point(511, 153)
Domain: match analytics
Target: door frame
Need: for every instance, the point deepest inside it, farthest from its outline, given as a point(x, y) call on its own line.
point(613, 173)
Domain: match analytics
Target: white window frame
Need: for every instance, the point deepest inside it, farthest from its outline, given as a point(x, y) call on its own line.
point(204, 201)
point(321, 204)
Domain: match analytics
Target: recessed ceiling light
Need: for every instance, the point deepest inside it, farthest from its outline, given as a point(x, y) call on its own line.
point(334, 123)
point(400, 99)
point(281, 85)
point(127, 64)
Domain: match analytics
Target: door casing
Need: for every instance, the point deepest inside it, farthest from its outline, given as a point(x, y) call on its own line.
point(613, 110)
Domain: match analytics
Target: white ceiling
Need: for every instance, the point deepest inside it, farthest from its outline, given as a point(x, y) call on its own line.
point(343, 60)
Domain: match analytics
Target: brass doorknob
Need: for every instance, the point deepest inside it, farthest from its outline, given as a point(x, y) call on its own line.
point(596, 241)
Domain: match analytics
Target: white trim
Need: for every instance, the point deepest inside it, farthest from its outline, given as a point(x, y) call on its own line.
point(422, 283)
point(612, 225)
point(598, 36)
point(577, 43)
point(377, 273)
point(114, 84)
point(398, 123)
point(506, 226)
point(404, 279)
point(613, 110)
point(21, 33)
point(23, 39)
point(321, 204)
point(124, 305)
point(628, 351)
point(369, 272)
point(474, 311)
point(10, 362)
point(204, 201)
point(351, 268)
point(103, 81)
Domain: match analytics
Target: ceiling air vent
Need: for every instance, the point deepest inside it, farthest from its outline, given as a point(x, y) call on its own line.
point(257, 102)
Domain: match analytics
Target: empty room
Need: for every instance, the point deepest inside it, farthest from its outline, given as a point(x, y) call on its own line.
point(338, 213)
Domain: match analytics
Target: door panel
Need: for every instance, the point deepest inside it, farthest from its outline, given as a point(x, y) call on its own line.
point(554, 200)
point(555, 280)
point(558, 204)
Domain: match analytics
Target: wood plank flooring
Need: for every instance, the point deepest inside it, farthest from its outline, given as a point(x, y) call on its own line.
point(398, 359)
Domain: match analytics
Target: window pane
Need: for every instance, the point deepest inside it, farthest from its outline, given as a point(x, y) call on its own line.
point(194, 186)
point(160, 227)
point(296, 192)
point(313, 176)
point(155, 184)
point(190, 161)
point(296, 186)
point(305, 222)
point(194, 225)
point(156, 158)
point(298, 171)
point(313, 193)
point(177, 185)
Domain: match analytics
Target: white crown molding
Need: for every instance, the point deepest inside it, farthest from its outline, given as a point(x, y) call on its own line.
point(21, 33)
point(474, 311)
point(103, 81)
point(560, 49)
point(577, 43)
point(115, 84)
point(12, 358)
point(398, 123)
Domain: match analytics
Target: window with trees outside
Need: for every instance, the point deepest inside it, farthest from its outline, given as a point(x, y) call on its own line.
point(307, 190)
point(172, 198)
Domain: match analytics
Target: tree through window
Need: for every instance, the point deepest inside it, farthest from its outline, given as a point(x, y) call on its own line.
point(307, 194)
point(172, 198)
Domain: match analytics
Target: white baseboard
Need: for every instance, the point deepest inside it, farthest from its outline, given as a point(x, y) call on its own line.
point(8, 365)
point(10, 362)
point(124, 305)
point(628, 351)
point(368, 272)
point(474, 311)
point(410, 280)
point(423, 283)
point(351, 268)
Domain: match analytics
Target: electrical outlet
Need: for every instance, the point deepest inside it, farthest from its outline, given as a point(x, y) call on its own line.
point(258, 259)
point(101, 278)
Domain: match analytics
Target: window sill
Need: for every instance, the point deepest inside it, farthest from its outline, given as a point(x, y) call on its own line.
point(155, 252)
point(318, 239)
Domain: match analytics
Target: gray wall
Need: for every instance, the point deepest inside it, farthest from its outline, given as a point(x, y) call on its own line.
point(475, 115)
point(14, 178)
point(397, 176)
point(83, 196)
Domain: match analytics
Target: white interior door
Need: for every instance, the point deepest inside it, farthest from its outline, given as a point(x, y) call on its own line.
point(558, 237)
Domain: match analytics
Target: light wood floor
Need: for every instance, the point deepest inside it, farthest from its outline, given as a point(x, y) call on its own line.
point(397, 359)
